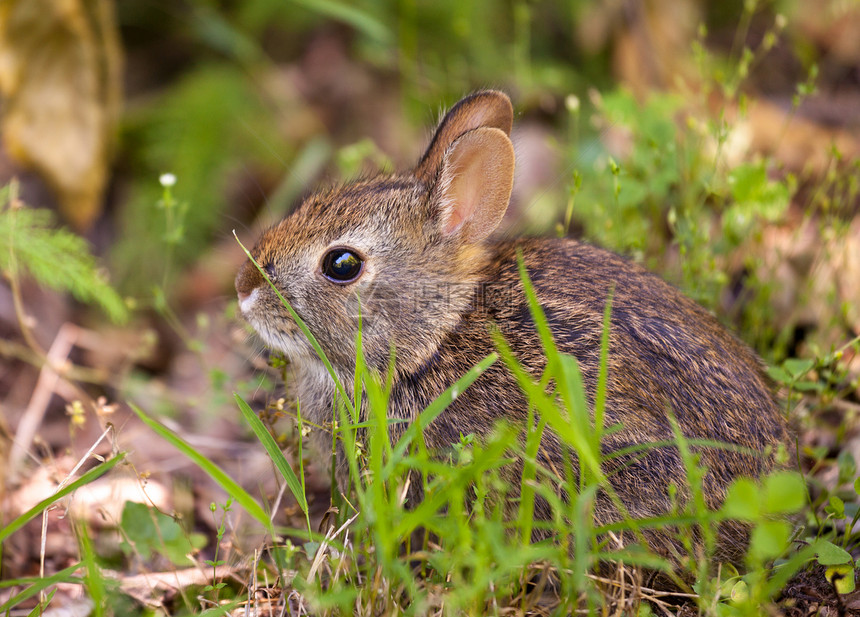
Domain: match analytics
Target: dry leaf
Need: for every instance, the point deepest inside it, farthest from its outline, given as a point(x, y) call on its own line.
point(60, 66)
point(101, 503)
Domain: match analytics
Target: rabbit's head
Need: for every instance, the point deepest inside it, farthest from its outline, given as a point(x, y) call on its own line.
point(402, 253)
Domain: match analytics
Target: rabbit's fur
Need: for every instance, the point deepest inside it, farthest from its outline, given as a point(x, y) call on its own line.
point(432, 284)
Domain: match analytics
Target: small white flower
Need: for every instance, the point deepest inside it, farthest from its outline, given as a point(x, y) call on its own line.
point(167, 180)
point(571, 101)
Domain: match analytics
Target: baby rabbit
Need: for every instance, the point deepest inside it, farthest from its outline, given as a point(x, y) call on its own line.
point(415, 249)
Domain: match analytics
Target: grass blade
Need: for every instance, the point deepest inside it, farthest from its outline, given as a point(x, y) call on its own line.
point(358, 19)
point(602, 376)
point(39, 584)
point(537, 314)
point(89, 476)
point(275, 454)
point(93, 579)
point(439, 404)
point(215, 472)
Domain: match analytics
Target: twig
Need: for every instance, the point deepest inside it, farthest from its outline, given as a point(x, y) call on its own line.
point(66, 480)
point(11, 349)
point(318, 559)
point(49, 378)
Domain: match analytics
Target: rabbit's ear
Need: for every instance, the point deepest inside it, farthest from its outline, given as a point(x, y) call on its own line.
point(488, 108)
point(474, 184)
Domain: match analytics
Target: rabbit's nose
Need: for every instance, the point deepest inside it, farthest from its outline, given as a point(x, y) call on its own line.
point(248, 279)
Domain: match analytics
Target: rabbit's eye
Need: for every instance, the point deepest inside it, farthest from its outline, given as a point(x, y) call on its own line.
point(269, 269)
point(341, 265)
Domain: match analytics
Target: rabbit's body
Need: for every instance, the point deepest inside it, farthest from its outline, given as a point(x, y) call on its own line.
point(430, 286)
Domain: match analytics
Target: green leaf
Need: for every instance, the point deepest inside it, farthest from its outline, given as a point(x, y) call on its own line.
point(149, 530)
point(828, 554)
point(769, 539)
point(784, 493)
point(537, 312)
point(807, 386)
point(754, 197)
point(215, 472)
point(740, 592)
point(742, 500)
point(798, 367)
point(93, 579)
point(39, 609)
point(759, 196)
point(841, 577)
point(779, 374)
point(816, 453)
point(847, 466)
point(227, 608)
point(835, 507)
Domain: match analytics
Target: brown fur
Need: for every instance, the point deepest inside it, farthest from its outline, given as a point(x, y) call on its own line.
point(432, 285)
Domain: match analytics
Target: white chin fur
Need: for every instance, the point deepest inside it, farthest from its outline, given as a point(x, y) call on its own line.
point(293, 344)
point(295, 347)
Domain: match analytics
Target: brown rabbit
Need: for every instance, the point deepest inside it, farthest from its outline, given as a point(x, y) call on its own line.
point(414, 248)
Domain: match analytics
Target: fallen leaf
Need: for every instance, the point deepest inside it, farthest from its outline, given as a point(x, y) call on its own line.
point(60, 67)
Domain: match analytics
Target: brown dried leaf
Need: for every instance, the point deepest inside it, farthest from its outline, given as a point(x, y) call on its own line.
point(60, 65)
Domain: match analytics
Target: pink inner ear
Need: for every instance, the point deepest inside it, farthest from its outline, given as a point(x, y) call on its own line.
point(454, 222)
point(476, 181)
point(465, 195)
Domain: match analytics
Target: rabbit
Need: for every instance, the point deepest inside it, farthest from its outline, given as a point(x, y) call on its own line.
point(415, 250)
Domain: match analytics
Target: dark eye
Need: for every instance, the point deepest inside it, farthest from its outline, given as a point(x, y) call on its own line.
point(341, 265)
point(269, 269)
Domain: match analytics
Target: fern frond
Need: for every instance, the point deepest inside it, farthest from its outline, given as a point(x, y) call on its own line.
point(55, 257)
